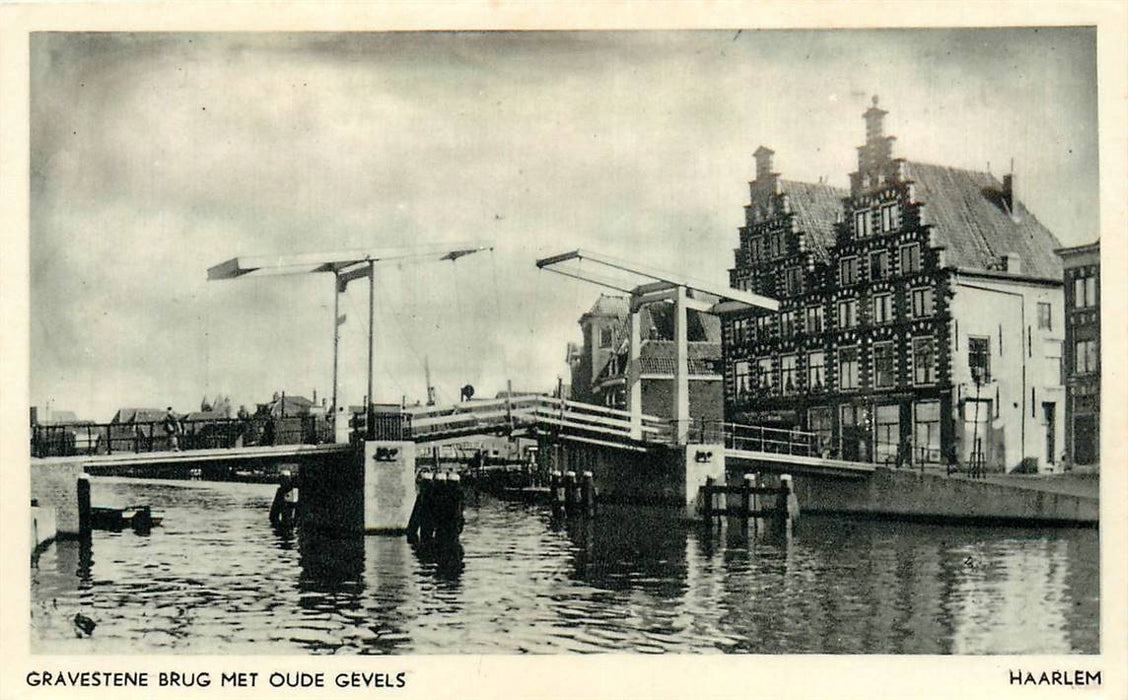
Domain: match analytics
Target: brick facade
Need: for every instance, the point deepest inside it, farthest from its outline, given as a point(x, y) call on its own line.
point(1082, 352)
point(865, 346)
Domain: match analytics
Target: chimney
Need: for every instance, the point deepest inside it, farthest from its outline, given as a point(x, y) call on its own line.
point(763, 156)
point(875, 117)
point(1009, 200)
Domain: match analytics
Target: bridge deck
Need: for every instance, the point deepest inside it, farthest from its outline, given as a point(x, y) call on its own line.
point(209, 455)
point(798, 464)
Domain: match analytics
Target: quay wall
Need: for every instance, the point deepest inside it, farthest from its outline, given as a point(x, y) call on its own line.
point(55, 485)
point(910, 495)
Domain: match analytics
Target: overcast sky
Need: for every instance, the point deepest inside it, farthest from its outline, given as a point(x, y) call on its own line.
point(156, 156)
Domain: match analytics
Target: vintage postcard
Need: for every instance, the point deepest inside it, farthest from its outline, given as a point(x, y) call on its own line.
point(632, 350)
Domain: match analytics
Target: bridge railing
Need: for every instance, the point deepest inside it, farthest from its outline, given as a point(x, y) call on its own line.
point(422, 423)
point(572, 416)
point(150, 436)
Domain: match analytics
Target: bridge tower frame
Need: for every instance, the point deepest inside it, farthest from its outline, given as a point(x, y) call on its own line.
point(662, 287)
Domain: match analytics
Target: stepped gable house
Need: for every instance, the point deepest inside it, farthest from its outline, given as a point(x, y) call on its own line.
point(922, 307)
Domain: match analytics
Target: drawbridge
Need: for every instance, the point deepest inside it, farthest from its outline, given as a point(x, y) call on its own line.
point(745, 446)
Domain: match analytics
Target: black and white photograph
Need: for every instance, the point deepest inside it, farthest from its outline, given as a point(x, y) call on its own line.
point(732, 340)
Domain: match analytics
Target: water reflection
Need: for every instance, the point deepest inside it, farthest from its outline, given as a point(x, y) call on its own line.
point(216, 577)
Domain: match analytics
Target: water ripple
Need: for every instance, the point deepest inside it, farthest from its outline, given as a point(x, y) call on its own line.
point(215, 578)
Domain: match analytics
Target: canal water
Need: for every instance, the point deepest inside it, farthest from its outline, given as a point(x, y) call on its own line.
point(215, 578)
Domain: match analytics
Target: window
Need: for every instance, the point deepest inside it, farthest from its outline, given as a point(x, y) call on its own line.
point(787, 324)
point(879, 265)
point(789, 374)
point(910, 259)
point(742, 378)
point(924, 361)
point(1087, 357)
point(1045, 316)
point(922, 302)
point(819, 422)
point(882, 308)
point(890, 217)
point(888, 433)
point(794, 281)
point(847, 313)
point(1084, 291)
point(884, 374)
point(605, 337)
point(742, 331)
point(862, 223)
point(763, 327)
point(847, 368)
point(847, 271)
point(765, 378)
point(815, 361)
point(926, 431)
point(814, 319)
point(979, 359)
point(775, 241)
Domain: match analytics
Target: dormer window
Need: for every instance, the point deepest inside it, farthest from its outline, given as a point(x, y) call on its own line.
point(604, 337)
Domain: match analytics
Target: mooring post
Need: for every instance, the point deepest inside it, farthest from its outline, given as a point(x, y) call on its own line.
point(783, 504)
point(426, 505)
point(454, 496)
point(569, 489)
point(589, 493)
point(746, 505)
point(84, 522)
point(440, 502)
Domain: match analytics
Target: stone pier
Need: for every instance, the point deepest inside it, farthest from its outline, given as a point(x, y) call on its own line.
point(670, 476)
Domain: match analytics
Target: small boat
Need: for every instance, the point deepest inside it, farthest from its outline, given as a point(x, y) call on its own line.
point(138, 518)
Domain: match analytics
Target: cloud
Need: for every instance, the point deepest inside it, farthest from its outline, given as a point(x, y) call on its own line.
point(155, 156)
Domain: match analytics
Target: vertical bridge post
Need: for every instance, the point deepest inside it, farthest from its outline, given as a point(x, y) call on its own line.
point(681, 368)
point(634, 374)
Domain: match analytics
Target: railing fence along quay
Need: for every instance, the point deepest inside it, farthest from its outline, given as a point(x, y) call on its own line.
point(552, 416)
point(754, 438)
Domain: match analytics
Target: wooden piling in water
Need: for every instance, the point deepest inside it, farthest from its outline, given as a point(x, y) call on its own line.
point(747, 498)
point(85, 521)
point(707, 498)
point(783, 505)
point(589, 493)
point(570, 490)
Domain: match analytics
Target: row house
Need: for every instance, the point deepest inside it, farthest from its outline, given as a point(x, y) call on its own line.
point(1082, 352)
point(911, 314)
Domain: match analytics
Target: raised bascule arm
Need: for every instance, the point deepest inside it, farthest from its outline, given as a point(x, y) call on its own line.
point(653, 285)
point(346, 266)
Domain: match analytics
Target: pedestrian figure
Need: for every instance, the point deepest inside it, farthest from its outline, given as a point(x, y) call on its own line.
point(172, 429)
point(284, 509)
point(268, 431)
point(904, 451)
point(242, 426)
